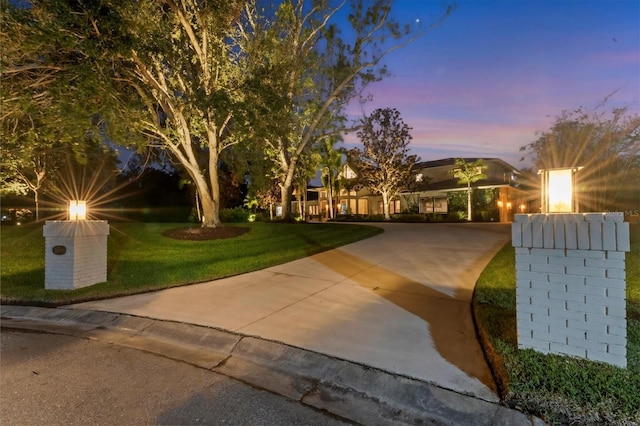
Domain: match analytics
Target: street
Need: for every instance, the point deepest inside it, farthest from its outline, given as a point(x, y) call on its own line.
point(62, 380)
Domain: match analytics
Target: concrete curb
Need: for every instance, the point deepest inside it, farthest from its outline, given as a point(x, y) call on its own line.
point(349, 390)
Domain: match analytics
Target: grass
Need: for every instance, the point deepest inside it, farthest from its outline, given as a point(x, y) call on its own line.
point(560, 389)
point(140, 259)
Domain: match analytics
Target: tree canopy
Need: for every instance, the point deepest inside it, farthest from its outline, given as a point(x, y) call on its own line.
point(606, 145)
point(312, 64)
point(468, 173)
point(48, 117)
point(195, 77)
point(384, 163)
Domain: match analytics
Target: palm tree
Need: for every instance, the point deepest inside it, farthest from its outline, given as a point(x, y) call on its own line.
point(468, 173)
point(332, 162)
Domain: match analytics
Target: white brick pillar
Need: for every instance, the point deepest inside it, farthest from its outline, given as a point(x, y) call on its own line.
point(571, 284)
point(75, 253)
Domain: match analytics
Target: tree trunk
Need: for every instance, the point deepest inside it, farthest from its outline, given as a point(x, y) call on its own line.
point(210, 217)
point(304, 202)
point(215, 192)
point(385, 205)
point(299, 200)
point(285, 197)
point(210, 206)
point(330, 200)
point(469, 202)
point(35, 199)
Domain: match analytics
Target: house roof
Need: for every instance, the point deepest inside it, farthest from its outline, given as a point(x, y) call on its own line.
point(451, 183)
point(452, 162)
point(446, 182)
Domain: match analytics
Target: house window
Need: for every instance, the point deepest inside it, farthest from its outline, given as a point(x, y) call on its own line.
point(433, 205)
point(343, 207)
point(394, 207)
point(348, 173)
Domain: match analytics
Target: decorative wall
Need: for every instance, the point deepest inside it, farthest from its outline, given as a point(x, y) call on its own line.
point(571, 284)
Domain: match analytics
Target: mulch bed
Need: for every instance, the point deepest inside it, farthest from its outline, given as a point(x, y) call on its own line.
point(205, 234)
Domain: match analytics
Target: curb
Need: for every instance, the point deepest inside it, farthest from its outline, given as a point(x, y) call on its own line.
point(346, 389)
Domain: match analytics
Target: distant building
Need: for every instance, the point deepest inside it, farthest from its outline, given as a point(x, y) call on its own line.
point(436, 192)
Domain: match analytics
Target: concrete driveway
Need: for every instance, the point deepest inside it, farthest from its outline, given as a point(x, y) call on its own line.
point(399, 301)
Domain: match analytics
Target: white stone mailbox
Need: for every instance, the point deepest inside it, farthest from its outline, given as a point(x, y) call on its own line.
point(570, 284)
point(75, 253)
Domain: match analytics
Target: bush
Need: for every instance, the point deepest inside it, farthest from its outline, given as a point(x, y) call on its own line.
point(234, 215)
point(409, 218)
point(172, 214)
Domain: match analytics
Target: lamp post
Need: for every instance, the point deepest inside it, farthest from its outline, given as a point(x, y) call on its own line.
point(558, 190)
point(570, 275)
point(75, 249)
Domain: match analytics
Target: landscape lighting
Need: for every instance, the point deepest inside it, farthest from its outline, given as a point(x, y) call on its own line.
point(77, 210)
point(558, 190)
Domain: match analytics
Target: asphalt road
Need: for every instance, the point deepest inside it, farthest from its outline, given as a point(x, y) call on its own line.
point(62, 380)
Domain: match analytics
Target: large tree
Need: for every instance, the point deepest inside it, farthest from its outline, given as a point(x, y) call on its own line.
point(606, 145)
point(468, 173)
point(47, 116)
point(168, 70)
point(187, 72)
point(384, 163)
point(309, 70)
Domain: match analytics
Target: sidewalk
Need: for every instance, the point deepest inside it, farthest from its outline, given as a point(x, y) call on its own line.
point(399, 302)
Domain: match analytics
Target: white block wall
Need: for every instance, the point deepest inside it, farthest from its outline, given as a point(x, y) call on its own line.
point(571, 284)
point(85, 261)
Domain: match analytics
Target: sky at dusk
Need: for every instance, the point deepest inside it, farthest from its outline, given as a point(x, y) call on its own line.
point(496, 72)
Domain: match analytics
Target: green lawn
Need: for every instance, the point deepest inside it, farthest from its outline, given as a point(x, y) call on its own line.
point(562, 390)
point(141, 259)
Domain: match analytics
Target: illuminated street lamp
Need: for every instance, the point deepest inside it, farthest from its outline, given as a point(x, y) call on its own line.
point(77, 210)
point(75, 250)
point(558, 190)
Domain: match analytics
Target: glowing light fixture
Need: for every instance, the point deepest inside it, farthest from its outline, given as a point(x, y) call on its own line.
point(77, 210)
point(558, 190)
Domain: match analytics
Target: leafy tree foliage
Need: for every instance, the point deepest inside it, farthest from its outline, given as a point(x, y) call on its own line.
point(305, 171)
point(187, 73)
point(308, 70)
point(46, 119)
point(167, 70)
point(384, 163)
point(195, 77)
point(607, 145)
point(468, 173)
point(331, 162)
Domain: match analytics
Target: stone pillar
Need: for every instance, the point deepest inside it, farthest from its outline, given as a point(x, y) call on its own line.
point(75, 253)
point(571, 284)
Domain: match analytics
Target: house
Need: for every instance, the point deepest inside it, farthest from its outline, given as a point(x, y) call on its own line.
point(497, 197)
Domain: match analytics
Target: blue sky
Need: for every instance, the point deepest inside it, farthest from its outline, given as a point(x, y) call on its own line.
point(496, 72)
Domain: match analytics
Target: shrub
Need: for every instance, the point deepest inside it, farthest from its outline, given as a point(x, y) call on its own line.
point(234, 215)
point(409, 218)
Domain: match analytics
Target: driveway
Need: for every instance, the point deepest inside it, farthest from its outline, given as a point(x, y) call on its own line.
point(399, 301)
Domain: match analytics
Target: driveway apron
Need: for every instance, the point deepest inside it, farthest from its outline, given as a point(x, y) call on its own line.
point(400, 302)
